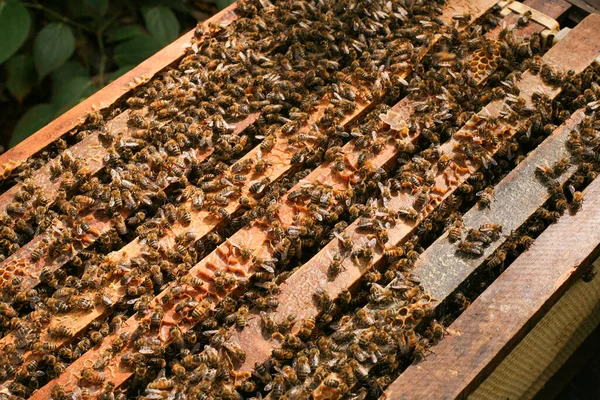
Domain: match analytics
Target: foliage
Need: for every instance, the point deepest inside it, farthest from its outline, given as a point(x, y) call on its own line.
point(53, 54)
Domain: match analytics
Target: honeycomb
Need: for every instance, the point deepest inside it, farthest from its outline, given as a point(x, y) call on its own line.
point(484, 61)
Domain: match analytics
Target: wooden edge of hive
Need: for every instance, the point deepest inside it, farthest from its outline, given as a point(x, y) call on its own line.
point(107, 96)
point(498, 318)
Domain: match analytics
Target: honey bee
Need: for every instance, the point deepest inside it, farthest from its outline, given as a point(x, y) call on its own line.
point(259, 186)
point(365, 251)
point(472, 248)
point(497, 259)
point(485, 197)
point(61, 331)
point(241, 317)
point(346, 243)
point(455, 231)
point(335, 267)
point(577, 200)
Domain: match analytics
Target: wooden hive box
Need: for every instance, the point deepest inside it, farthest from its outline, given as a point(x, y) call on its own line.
point(497, 346)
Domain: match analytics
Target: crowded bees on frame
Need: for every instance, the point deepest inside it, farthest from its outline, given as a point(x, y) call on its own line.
point(341, 136)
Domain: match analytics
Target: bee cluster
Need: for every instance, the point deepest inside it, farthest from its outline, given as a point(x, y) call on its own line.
point(278, 65)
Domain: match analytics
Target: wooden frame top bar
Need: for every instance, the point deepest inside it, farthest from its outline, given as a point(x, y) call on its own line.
point(516, 198)
point(498, 319)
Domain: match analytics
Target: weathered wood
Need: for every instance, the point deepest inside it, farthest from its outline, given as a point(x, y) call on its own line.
point(499, 318)
point(21, 260)
point(105, 98)
point(516, 198)
point(297, 292)
point(283, 156)
point(553, 346)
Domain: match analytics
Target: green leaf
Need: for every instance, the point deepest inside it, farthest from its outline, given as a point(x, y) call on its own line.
point(87, 8)
point(66, 72)
point(123, 33)
point(221, 4)
point(135, 50)
point(120, 72)
point(95, 8)
point(20, 75)
point(15, 22)
point(162, 24)
point(35, 118)
point(71, 92)
point(52, 47)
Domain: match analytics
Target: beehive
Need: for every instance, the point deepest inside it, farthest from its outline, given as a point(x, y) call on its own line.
point(300, 193)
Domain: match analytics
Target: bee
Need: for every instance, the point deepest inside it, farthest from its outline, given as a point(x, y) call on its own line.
point(136, 102)
point(283, 354)
point(267, 323)
point(497, 259)
point(485, 197)
point(235, 351)
point(577, 200)
point(408, 212)
point(473, 248)
point(137, 121)
point(423, 198)
point(241, 317)
point(259, 186)
point(493, 230)
point(365, 251)
point(335, 267)
point(268, 142)
point(346, 243)
point(261, 372)
point(306, 329)
point(61, 331)
point(267, 303)
point(455, 231)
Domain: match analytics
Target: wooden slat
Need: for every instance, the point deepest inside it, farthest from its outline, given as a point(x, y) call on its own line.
point(106, 97)
point(31, 269)
point(555, 350)
point(516, 198)
point(81, 319)
point(280, 152)
point(298, 291)
point(496, 321)
point(504, 197)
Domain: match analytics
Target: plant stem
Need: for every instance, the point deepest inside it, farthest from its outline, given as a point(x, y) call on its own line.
point(99, 38)
point(58, 16)
point(102, 58)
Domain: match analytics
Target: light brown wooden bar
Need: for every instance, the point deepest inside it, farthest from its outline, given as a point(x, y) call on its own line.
point(280, 153)
point(79, 319)
point(507, 310)
point(21, 260)
point(105, 98)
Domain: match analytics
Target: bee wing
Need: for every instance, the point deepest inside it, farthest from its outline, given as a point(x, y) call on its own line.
point(572, 189)
point(480, 193)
